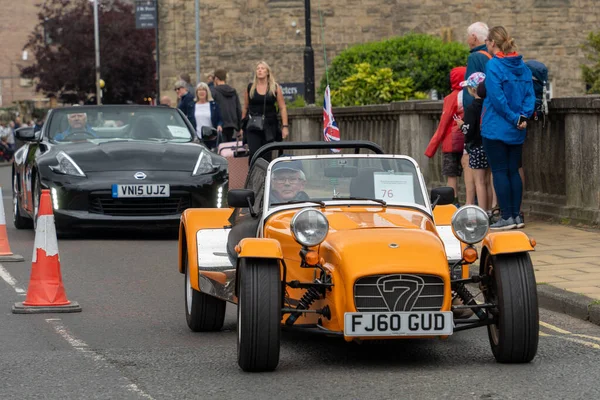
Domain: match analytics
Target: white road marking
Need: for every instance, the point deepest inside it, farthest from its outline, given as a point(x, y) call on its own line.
point(4, 274)
point(82, 347)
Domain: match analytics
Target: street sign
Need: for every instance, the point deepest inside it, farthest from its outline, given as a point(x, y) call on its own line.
point(145, 14)
point(292, 90)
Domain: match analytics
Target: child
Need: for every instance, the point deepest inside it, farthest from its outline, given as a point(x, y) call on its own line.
point(473, 144)
point(448, 133)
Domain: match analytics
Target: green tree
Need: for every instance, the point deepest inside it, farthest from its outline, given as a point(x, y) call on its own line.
point(426, 59)
point(371, 85)
point(591, 73)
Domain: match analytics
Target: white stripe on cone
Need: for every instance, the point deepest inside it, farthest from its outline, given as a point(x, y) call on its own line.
point(45, 237)
point(2, 216)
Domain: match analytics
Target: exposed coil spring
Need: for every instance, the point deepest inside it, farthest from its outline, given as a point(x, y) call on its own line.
point(312, 294)
point(468, 300)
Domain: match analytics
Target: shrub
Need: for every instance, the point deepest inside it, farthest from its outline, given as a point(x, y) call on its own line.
point(296, 103)
point(371, 85)
point(591, 74)
point(426, 59)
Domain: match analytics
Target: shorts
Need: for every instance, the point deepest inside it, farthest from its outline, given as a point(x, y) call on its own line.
point(478, 158)
point(451, 164)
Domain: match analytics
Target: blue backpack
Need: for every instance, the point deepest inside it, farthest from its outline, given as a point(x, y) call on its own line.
point(539, 73)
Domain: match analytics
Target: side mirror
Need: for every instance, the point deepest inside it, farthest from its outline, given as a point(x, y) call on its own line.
point(240, 198)
point(25, 134)
point(442, 196)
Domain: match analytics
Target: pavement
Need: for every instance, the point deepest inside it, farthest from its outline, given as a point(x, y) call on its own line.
point(567, 268)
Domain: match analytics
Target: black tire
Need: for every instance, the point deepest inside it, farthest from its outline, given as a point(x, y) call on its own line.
point(514, 338)
point(203, 313)
point(259, 314)
point(19, 221)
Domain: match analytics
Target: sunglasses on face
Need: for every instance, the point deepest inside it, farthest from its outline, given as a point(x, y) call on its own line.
point(282, 179)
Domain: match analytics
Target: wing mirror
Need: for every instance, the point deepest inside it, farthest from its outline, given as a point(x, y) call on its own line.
point(240, 198)
point(26, 134)
point(442, 196)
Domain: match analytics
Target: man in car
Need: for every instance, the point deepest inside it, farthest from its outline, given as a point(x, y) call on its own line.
point(77, 124)
point(287, 182)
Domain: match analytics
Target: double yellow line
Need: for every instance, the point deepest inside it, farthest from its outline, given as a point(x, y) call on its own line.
point(571, 337)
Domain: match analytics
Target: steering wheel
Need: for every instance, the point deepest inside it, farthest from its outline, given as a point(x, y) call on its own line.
point(80, 132)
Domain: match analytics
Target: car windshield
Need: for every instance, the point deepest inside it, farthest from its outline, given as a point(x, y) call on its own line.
point(384, 180)
point(117, 123)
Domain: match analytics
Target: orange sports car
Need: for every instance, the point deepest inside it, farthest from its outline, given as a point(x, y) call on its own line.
point(352, 244)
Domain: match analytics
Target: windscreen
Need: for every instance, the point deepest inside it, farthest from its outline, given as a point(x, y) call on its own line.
point(393, 180)
point(106, 123)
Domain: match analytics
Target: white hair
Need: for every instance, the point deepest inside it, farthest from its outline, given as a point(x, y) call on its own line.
point(480, 30)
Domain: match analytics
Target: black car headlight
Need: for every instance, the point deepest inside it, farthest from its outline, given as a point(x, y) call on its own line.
point(470, 224)
point(204, 164)
point(66, 165)
point(309, 227)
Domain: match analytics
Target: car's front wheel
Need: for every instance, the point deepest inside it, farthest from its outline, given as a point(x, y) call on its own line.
point(259, 314)
point(19, 221)
point(514, 337)
point(203, 313)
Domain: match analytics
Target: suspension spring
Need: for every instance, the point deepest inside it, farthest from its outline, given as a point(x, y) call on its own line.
point(312, 294)
point(468, 300)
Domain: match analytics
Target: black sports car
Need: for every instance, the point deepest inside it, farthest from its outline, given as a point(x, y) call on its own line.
point(115, 166)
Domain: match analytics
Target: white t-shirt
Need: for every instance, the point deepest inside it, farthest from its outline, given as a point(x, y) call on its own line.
point(202, 114)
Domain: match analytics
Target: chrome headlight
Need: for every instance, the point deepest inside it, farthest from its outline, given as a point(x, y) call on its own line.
point(66, 165)
point(309, 227)
point(204, 164)
point(470, 224)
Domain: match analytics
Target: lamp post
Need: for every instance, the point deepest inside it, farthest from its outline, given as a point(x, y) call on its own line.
point(97, 44)
point(309, 58)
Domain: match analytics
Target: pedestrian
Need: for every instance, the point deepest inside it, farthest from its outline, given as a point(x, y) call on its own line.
point(186, 101)
point(509, 102)
point(207, 116)
point(448, 133)
point(471, 128)
point(210, 78)
point(261, 123)
point(166, 101)
point(188, 81)
point(229, 104)
point(478, 57)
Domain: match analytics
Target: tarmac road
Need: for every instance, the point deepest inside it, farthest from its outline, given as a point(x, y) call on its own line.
point(131, 342)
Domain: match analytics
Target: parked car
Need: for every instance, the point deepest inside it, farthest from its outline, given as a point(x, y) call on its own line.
point(352, 245)
point(115, 166)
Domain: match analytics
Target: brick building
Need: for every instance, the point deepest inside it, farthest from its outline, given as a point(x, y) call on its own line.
point(17, 21)
point(235, 34)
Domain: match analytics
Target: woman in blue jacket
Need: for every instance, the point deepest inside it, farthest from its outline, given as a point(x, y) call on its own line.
point(206, 113)
point(510, 101)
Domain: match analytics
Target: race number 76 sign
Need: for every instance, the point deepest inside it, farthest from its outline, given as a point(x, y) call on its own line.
point(396, 187)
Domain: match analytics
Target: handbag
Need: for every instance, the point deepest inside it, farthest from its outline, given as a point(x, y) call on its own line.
point(257, 122)
point(208, 132)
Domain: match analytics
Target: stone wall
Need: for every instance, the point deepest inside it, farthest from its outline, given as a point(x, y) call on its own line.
point(561, 159)
point(235, 34)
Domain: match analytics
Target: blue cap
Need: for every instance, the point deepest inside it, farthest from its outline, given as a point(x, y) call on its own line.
point(293, 165)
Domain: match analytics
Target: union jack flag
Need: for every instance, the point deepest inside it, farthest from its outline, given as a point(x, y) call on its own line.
point(331, 132)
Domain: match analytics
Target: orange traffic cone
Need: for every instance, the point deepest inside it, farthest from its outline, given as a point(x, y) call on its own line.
point(5, 253)
point(46, 292)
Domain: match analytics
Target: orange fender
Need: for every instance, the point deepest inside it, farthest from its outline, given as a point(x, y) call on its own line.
point(507, 242)
point(259, 248)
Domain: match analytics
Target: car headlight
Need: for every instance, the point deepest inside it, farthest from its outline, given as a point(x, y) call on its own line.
point(309, 227)
point(66, 165)
point(470, 224)
point(204, 164)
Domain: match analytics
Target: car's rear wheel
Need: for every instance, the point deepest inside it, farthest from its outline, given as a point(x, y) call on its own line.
point(203, 313)
point(514, 337)
point(259, 314)
point(19, 221)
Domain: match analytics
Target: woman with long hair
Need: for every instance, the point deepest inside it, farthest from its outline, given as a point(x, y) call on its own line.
point(206, 114)
point(509, 102)
point(260, 121)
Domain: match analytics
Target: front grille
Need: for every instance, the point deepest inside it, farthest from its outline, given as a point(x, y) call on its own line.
point(104, 203)
point(399, 292)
